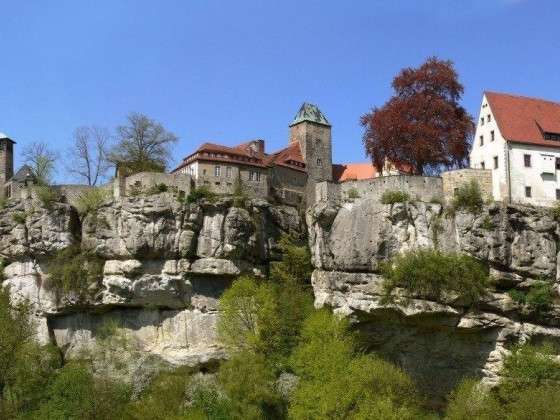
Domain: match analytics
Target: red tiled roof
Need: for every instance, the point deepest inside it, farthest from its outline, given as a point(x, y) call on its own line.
point(289, 156)
point(353, 171)
point(525, 120)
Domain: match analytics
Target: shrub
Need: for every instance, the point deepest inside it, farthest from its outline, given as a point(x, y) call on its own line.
point(555, 211)
point(468, 197)
point(72, 270)
point(19, 217)
point(337, 382)
point(135, 190)
point(353, 193)
point(239, 193)
point(471, 401)
point(538, 298)
point(249, 383)
point(392, 197)
point(487, 224)
point(89, 201)
point(157, 189)
point(46, 195)
point(202, 192)
point(433, 274)
point(528, 366)
point(539, 402)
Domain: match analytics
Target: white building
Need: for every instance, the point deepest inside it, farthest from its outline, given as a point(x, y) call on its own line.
point(519, 139)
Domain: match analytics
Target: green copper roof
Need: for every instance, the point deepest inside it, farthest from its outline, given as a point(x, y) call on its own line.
point(310, 112)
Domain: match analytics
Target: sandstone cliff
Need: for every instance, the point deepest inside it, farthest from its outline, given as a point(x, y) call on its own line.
point(436, 342)
point(165, 263)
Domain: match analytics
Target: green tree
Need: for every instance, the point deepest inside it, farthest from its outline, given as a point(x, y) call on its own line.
point(470, 401)
point(336, 382)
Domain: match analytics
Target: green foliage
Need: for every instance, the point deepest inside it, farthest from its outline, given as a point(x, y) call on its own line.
point(19, 217)
point(537, 299)
point(239, 193)
point(338, 383)
point(539, 402)
point(46, 195)
point(3, 202)
point(393, 197)
point(529, 366)
point(74, 393)
point(249, 383)
point(24, 366)
point(157, 189)
point(209, 402)
point(353, 193)
point(90, 200)
point(487, 224)
point(73, 271)
point(437, 229)
point(436, 199)
point(434, 275)
point(163, 399)
point(470, 401)
point(131, 167)
point(202, 192)
point(555, 211)
point(468, 197)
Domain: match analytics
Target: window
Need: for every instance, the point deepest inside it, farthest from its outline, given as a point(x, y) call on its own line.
point(254, 176)
point(482, 140)
point(557, 163)
point(557, 194)
point(482, 121)
point(495, 162)
point(489, 118)
point(319, 162)
point(482, 165)
point(228, 171)
point(217, 170)
point(204, 172)
point(527, 160)
point(528, 192)
point(492, 136)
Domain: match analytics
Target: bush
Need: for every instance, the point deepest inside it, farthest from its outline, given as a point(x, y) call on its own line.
point(353, 193)
point(19, 217)
point(392, 197)
point(249, 383)
point(433, 274)
point(202, 192)
point(487, 224)
point(535, 403)
point(529, 366)
point(89, 201)
point(539, 297)
point(72, 270)
point(470, 401)
point(468, 197)
point(157, 189)
point(46, 195)
point(555, 211)
point(337, 382)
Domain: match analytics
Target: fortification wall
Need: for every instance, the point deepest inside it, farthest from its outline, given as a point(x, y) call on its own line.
point(423, 188)
point(145, 180)
point(454, 179)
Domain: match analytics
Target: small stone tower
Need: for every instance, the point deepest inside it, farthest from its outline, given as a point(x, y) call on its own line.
point(312, 131)
point(6, 161)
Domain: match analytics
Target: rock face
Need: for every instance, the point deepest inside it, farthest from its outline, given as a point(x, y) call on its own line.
point(437, 343)
point(165, 265)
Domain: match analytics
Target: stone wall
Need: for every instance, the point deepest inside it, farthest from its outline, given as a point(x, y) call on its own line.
point(422, 188)
point(224, 184)
point(145, 180)
point(455, 179)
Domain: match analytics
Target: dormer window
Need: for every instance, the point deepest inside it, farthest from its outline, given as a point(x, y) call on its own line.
point(552, 136)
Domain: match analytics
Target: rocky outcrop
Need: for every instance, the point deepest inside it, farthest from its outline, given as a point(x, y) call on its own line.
point(165, 264)
point(437, 342)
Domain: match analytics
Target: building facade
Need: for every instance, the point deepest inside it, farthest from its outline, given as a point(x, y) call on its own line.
point(518, 139)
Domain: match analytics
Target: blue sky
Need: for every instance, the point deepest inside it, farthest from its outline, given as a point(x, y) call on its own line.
point(227, 71)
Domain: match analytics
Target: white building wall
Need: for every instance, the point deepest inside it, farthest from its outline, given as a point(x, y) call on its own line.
point(482, 156)
point(542, 176)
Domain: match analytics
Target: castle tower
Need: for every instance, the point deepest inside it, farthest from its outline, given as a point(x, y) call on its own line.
point(6, 161)
point(312, 131)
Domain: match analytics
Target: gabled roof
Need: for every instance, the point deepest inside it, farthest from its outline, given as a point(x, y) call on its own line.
point(525, 120)
point(289, 157)
point(24, 173)
point(312, 113)
point(4, 136)
point(353, 171)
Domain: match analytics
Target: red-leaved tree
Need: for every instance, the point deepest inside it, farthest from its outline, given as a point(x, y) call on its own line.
point(422, 126)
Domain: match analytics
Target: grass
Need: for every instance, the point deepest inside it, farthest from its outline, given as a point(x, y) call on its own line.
point(19, 217)
point(395, 196)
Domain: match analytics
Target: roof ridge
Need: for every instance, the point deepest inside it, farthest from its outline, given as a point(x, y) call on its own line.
point(513, 95)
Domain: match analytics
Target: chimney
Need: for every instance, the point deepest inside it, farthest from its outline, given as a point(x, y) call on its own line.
point(257, 146)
